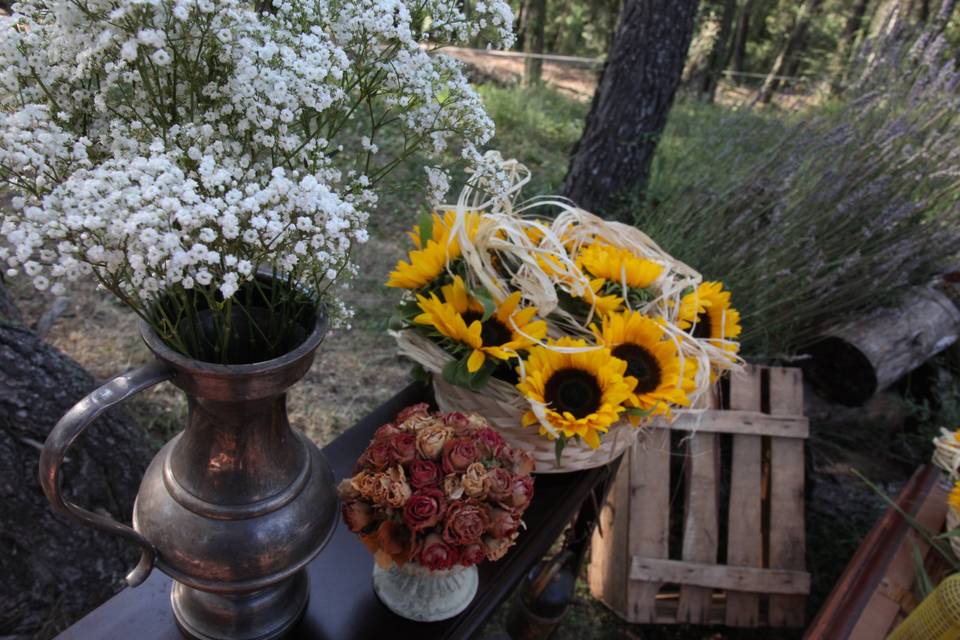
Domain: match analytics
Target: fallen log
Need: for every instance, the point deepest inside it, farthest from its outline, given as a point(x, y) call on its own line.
point(851, 363)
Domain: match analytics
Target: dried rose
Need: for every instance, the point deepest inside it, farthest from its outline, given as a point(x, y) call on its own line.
point(458, 454)
point(431, 440)
point(473, 554)
point(503, 523)
point(346, 490)
point(412, 411)
point(475, 481)
point(424, 473)
point(437, 555)
point(465, 523)
point(453, 487)
point(380, 488)
point(378, 456)
point(404, 446)
point(398, 492)
point(489, 442)
point(460, 422)
point(395, 543)
point(385, 431)
point(499, 484)
point(523, 463)
point(424, 509)
point(496, 548)
point(357, 515)
point(365, 483)
point(521, 492)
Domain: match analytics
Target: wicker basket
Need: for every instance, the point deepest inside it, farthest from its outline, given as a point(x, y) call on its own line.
point(503, 407)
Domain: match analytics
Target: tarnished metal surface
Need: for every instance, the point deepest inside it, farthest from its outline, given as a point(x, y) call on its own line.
point(234, 506)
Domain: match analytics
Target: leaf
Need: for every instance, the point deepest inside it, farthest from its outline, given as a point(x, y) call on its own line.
point(923, 581)
point(953, 533)
point(558, 446)
point(928, 537)
point(426, 228)
point(639, 412)
point(479, 378)
point(419, 373)
point(489, 306)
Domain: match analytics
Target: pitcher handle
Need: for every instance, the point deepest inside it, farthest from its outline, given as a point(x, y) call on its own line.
point(70, 427)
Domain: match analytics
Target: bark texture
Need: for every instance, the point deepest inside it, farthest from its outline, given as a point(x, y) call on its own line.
point(719, 54)
point(536, 21)
point(630, 107)
point(740, 39)
point(851, 363)
point(53, 570)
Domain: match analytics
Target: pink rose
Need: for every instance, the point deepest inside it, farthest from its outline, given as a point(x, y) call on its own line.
point(503, 523)
point(465, 523)
point(424, 509)
point(403, 446)
point(424, 473)
point(475, 481)
point(378, 456)
point(458, 454)
point(489, 442)
point(499, 484)
point(473, 554)
point(437, 555)
point(385, 431)
point(414, 410)
point(459, 421)
point(523, 463)
point(453, 487)
point(357, 515)
point(431, 440)
point(521, 492)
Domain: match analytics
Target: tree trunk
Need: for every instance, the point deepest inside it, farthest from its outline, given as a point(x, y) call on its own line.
point(851, 363)
point(536, 20)
point(719, 57)
point(740, 39)
point(793, 43)
point(630, 107)
point(54, 571)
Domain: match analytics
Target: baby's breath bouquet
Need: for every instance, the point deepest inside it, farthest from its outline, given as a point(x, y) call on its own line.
point(561, 328)
point(178, 150)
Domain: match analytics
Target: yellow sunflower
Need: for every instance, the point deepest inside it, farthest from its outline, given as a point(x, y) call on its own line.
point(619, 266)
point(601, 303)
point(707, 310)
point(580, 394)
point(429, 261)
point(662, 377)
point(954, 498)
point(459, 316)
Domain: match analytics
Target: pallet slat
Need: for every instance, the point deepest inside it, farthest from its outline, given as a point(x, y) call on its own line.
point(748, 422)
point(717, 576)
point(745, 526)
point(700, 530)
point(787, 539)
point(649, 517)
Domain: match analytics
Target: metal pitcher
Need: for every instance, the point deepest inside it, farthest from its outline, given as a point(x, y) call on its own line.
point(234, 506)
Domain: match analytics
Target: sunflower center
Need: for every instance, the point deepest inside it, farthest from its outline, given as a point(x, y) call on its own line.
point(641, 364)
point(573, 390)
point(704, 326)
point(492, 332)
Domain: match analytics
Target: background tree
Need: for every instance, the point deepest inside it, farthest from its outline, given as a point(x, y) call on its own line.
point(719, 53)
point(793, 42)
point(629, 110)
point(535, 20)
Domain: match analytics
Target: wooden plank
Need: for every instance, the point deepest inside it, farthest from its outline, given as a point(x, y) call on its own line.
point(745, 525)
point(718, 576)
point(700, 533)
point(884, 606)
point(787, 526)
point(746, 422)
point(862, 576)
point(607, 572)
point(649, 516)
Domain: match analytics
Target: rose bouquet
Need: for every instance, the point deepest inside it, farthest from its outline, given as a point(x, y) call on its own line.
point(437, 490)
point(173, 150)
point(547, 316)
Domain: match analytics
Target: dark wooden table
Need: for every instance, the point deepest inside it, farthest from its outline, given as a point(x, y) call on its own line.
point(342, 602)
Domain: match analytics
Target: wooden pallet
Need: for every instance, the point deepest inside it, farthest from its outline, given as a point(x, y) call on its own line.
point(729, 548)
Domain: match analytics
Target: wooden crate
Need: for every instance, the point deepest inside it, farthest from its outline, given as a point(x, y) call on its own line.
point(729, 548)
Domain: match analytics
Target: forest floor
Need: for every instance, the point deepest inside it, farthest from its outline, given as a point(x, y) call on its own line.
point(357, 368)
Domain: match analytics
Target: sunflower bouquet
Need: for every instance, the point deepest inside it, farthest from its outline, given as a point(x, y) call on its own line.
point(564, 330)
